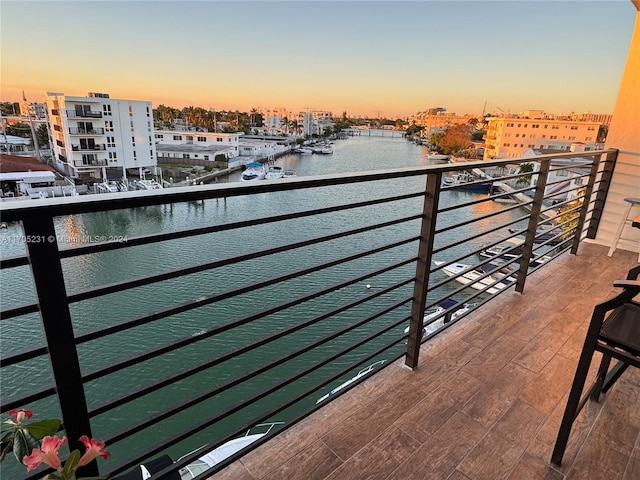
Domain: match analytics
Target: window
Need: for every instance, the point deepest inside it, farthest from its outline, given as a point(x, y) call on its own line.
point(202, 139)
point(535, 125)
point(150, 153)
point(519, 125)
point(517, 135)
point(553, 137)
point(177, 137)
point(530, 146)
point(218, 139)
point(185, 155)
point(544, 136)
point(131, 122)
point(507, 144)
point(509, 124)
point(507, 135)
point(521, 145)
point(526, 125)
point(206, 157)
point(159, 135)
point(591, 128)
point(546, 126)
point(108, 126)
point(106, 109)
point(555, 127)
point(130, 111)
point(574, 127)
point(134, 155)
point(572, 138)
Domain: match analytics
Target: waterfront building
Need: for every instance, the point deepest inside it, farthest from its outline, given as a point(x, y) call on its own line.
point(33, 109)
point(182, 144)
point(438, 119)
point(511, 137)
point(98, 137)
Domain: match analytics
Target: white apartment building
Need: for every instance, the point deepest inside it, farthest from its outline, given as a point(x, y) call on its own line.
point(32, 109)
point(172, 144)
point(97, 137)
point(512, 137)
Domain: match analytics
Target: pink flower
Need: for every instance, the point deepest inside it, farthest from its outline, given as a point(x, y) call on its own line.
point(94, 449)
point(47, 454)
point(20, 414)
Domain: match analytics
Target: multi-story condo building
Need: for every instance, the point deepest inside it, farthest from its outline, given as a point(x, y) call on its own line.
point(438, 119)
point(171, 144)
point(32, 109)
point(511, 137)
point(97, 137)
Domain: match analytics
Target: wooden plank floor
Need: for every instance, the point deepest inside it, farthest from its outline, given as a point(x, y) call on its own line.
point(485, 402)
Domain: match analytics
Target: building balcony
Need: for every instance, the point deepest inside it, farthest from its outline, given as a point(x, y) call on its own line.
point(268, 318)
point(88, 148)
point(83, 114)
point(85, 131)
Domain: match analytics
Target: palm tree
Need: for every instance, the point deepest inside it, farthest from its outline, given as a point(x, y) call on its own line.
point(525, 168)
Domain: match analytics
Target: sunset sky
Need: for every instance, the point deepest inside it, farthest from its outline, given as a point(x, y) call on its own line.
point(378, 58)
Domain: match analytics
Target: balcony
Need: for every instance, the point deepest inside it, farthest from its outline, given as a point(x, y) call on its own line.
point(83, 114)
point(85, 131)
point(88, 148)
point(450, 412)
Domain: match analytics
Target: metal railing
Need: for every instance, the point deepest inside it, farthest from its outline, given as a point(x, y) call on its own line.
point(292, 317)
point(86, 131)
point(83, 114)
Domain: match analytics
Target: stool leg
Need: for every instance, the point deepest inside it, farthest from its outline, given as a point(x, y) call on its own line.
point(614, 244)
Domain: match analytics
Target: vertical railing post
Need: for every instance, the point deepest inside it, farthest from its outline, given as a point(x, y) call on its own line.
point(527, 248)
point(585, 206)
point(603, 190)
point(423, 265)
point(44, 258)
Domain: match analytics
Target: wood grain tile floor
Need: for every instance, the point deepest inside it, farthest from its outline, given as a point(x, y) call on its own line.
point(484, 403)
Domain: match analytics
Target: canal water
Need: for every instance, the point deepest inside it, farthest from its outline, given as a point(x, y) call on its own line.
point(351, 155)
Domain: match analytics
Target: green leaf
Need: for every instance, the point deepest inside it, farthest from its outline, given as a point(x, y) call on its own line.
point(71, 464)
point(23, 444)
point(52, 476)
point(39, 430)
point(5, 448)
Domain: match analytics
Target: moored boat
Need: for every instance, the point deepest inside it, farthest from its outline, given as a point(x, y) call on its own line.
point(274, 172)
point(362, 373)
point(465, 181)
point(254, 171)
point(442, 318)
point(472, 277)
point(509, 250)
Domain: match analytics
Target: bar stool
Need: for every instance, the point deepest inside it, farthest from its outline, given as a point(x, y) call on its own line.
point(625, 219)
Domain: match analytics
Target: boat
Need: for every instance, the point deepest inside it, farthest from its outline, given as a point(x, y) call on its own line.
point(288, 173)
point(254, 171)
point(543, 234)
point(437, 158)
point(463, 181)
point(108, 187)
point(472, 278)
point(274, 172)
point(324, 150)
point(203, 463)
point(511, 249)
point(303, 151)
point(148, 185)
point(215, 456)
point(362, 373)
point(433, 326)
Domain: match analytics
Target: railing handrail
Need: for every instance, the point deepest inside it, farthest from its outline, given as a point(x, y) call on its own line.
point(86, 204)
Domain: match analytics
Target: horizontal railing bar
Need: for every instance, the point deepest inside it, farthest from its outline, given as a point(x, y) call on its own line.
point(481, 217)
point(189, 340)
point(187, 433)
point(473, 252)
point(489, 198)
point(179, 234)
point(23, 355)
point(202, 301)
point(197, 399)
point(20, 401)
point(12, 262)
point(54, 207)
point(150, 279)
point(18, 311)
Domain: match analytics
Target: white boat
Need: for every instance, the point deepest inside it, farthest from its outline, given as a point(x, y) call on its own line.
point(290, 173)
point(511, 249)
point(215, 456)
point(254, 171)
point(463, 181)
point(472, 278)
point(303, 151)
point(274, 172)
point(430, 327)
point(437, 158)
point(148, 185)
point(108, 187)
point(325, 150)
point(203, 463)
point(362, 373)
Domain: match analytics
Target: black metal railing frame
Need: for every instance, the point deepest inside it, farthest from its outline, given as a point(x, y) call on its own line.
point(53, 302)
